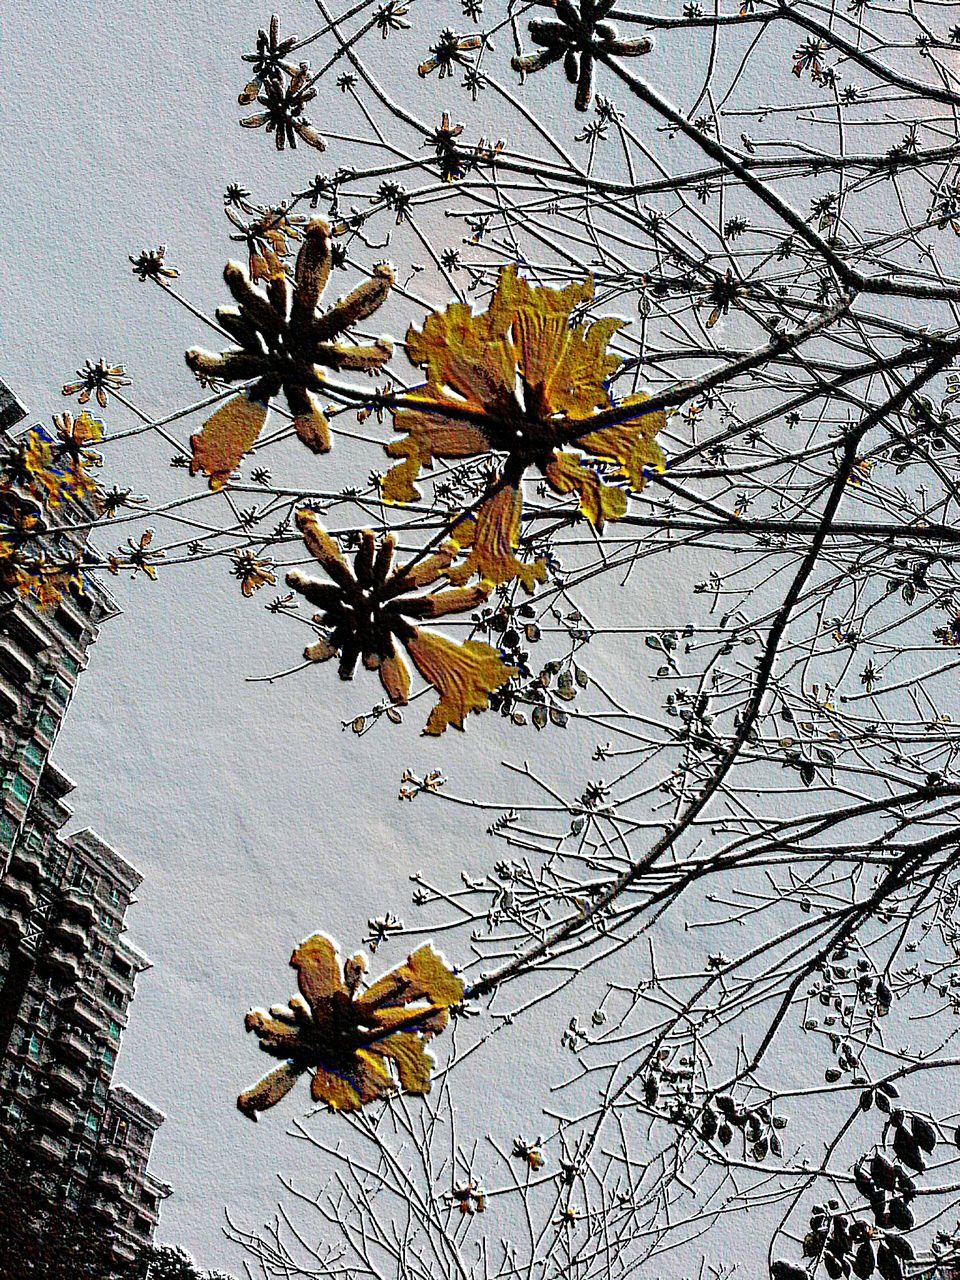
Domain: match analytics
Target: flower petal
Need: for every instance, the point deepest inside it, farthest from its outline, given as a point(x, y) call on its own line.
point(463, 674)
point(630, 445)
point(492, 536)
point(225, 438)
point(319, 972)
point(358, 305)
point(428, 436)
point(269, 1091)
point(323, 548)
point(310, 274)
point(424, 975)
point(599, 502)
point(309, 421)
point(395, 678)
point(413, 1064)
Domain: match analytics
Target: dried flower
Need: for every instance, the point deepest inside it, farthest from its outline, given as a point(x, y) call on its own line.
point(251, 572)
point(97, 379)
point(283, 104)
point(448, 53)
point(359, 1045)
point(268, 60)
point(284, 345)
point(576, 36)
point(149, 265)
point(366, 610)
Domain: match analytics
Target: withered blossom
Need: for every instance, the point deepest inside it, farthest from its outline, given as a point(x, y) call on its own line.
point(520, 381)
point(576, 36)
point(96, 380)
point(149, 264)
point(448, 53)
point(283, 103)
point(137, 557)
point(251, 572)
point(452, 160)
point(268, 60)
point(391, 16)
point(359, 1046)
point(367, 611)
point(284, 344)
point(266, 238)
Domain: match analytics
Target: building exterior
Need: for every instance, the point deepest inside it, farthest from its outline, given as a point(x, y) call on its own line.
point(67, 972)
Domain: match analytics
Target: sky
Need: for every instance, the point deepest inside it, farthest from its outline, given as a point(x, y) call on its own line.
point(252, 816)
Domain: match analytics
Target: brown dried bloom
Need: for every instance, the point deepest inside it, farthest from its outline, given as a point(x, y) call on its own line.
point(284, 344)
point(366, 610)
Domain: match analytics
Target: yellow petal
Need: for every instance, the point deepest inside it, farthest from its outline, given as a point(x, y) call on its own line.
point(229, 434)
point(268, 1091)
point(630, 445)
point(493, 536)
point(309, 421)
point(318, 968)
point(413, 1064)
point(463, 674)
point(334, 1090)
point(428, 436)
point(425, 975)
point(599, 502)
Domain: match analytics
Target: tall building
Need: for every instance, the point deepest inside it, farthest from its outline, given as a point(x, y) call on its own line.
point(67, 972)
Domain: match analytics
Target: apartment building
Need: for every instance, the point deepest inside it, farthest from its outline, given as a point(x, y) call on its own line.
point(68, 974)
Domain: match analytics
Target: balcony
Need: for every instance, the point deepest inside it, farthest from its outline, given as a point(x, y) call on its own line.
point(113, 1157)
point(14, 663)
point(64, 964)
point(28, 864)
point(69, 935)
point(88, 1016)
point(102, 1207)
point(54, 1112)
point(124, 1251)
point(18, 622)
point(51, 1146)
point(71, 1043)
point(76, 905)
point(13, 924)
point(64, 1080)
point(9, 698)
point(109, 1182)
point(15, 891)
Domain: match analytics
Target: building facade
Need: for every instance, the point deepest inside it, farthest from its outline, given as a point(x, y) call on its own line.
point(67, 972)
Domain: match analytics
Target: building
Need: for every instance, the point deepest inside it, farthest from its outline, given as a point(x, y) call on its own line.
point(67, 972)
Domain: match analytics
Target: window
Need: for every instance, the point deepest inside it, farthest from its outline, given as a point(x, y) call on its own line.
point(73, 628)
point(109, 1057)
point(7, 830)
point(70, 663)
point(33, 1048)
point(91, 1122)
point(33, 755)
point(59, 692)
point(21, 788)
point(114, 1029)
point(47, 725)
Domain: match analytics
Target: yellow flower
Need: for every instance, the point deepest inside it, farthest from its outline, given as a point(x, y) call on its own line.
point(284, 344)
point(359, 1045)
point(521, 380)
point(366, 610)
